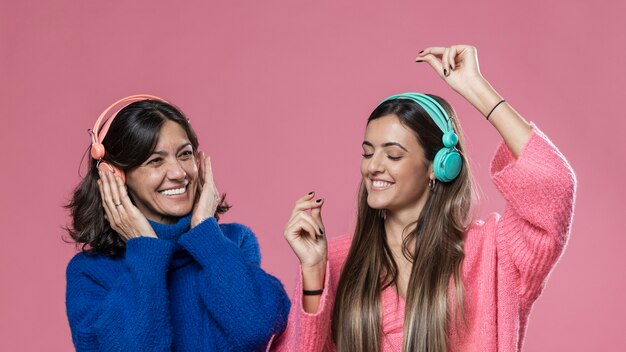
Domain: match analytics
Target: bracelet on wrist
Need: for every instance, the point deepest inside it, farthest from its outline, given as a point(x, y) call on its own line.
point(312, 292)
point(490, 112)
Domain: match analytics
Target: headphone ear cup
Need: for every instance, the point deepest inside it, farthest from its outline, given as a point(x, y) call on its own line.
point(447, 164)
point(105, 167)
point(97, 151)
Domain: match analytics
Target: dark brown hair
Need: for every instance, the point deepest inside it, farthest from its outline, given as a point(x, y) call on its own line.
point(436, 252)
point(129, 142)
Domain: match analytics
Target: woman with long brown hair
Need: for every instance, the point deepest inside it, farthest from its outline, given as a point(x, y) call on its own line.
point(418, 274)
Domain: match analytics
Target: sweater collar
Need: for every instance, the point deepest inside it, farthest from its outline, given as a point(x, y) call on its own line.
point(171, 232)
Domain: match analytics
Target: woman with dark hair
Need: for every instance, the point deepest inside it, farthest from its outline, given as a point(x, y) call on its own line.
point(157, 272)
point(418, 274)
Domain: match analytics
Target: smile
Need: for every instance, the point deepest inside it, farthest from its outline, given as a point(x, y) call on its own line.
point(174, 191)
point(381, 185)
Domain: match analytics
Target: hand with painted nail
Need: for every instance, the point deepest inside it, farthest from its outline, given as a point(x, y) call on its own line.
point(305, 232)
point(122, 214)
point(456, 65)
point(209, 198)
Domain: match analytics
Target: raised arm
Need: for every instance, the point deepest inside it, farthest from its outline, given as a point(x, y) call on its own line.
point(458, 67)
point(533, 176)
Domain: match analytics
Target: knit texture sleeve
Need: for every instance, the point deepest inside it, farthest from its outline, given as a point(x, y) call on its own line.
point(539, 189)
point(121, 305)
point(248, 304)
point(308, 331)
point(312, 332)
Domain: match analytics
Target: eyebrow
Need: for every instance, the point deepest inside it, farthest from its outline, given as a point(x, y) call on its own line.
point(385, 145)
point(161, 152)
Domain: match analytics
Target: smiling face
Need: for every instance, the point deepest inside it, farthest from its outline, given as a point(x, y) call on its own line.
point(164, 186)
point(394, 168)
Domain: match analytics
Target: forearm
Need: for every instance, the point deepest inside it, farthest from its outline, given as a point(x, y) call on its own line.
point(312, 280)
point(236, 291)
point(513, 128)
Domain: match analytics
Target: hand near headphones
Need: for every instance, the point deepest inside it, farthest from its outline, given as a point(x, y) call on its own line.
point(123, 216)
point(457, 65)
point(209, 198)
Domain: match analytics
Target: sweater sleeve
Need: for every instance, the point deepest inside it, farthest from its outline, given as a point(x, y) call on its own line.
point(129, 312)
point(539, 189)
point(305, 331)
point(247, 303)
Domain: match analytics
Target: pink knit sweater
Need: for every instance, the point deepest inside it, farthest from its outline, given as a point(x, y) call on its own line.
point(507, 260)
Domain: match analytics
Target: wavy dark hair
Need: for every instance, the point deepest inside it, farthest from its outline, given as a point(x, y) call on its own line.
point(434, 246)
point(130, 140)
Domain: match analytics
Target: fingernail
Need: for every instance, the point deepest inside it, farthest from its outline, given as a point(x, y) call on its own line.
point(321, 231)
point(451, 68)
point(445, 72)
point(421, 52)
point(310, 193)
point(319, 200)
point(419, 60)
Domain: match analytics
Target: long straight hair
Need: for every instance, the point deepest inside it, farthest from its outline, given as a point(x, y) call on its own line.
point(434, 246)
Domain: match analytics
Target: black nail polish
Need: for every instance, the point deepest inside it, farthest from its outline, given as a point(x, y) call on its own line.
point(419, 60)
point(321, 231)
point(451, 69)
point(445, 72)
point(319, 200)
point(421, 52)
point(311, 192)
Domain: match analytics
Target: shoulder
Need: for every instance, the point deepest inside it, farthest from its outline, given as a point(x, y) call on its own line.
point(481, 232)
point(98, 267)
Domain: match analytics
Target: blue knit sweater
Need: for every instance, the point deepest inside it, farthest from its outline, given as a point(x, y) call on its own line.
point(187, 290)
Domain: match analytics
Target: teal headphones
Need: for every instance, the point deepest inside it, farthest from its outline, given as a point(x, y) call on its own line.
point(448, 161)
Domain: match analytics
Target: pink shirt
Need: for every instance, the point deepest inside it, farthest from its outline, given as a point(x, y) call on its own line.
point(507, 260)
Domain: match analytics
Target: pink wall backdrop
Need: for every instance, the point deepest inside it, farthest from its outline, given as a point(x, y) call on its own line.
point(278, 92)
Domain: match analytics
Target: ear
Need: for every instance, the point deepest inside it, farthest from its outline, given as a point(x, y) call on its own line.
point(431, 172)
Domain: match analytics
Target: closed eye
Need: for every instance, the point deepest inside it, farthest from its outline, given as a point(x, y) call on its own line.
point(155, 161)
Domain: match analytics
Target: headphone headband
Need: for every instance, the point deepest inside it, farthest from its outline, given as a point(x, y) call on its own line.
point(97, 134)
point(432, 107)
point(448, 161)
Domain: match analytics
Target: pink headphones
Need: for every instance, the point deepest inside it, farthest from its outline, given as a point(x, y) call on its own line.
point(97, 134)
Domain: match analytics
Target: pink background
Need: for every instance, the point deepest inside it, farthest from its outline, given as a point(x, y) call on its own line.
point(278, 92)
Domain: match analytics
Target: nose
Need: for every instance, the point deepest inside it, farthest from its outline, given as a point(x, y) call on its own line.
point(175, 170)
point(376, 164)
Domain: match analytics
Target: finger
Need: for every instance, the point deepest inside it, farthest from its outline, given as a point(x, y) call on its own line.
point(304, 223)
point(107, 209)
point(436, 51)
point(115, 196)
point(435, 63)
point(316, 214)
point(123, 193)
point(445, 61)
point(209, 181)
point(309, 218)
point(199, 161)
point(452, 54)
point(302, 216)
point(304, 205)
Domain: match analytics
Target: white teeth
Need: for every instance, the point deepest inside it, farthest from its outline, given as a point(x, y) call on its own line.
point(173, 192)
point(380, 184)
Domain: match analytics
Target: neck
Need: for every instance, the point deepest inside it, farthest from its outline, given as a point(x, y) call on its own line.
point(400, 222)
